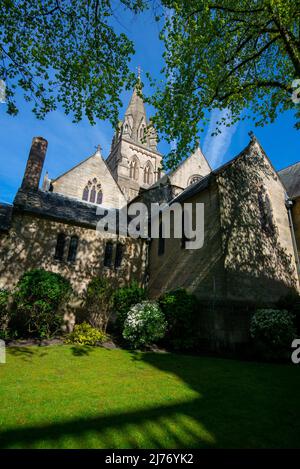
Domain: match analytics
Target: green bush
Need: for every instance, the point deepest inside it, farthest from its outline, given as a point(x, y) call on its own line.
point(145, 323)
point(85, 334)
point(38, 298)
point(98, 302)
point(291, 302)
point(273, 332)
point(123, 299)
point(4, 316)
point(180, 310)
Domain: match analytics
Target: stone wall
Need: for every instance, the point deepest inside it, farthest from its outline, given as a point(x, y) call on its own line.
point(201, 271)
point(31, 244)
point(259, 263)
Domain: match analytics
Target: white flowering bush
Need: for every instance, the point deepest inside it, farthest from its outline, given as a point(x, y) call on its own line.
point(145, 323)
point(273, 330)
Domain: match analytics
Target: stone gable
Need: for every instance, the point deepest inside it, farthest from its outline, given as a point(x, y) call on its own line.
point(73, 182)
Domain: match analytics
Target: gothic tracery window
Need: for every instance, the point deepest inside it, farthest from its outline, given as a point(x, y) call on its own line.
point(93, 192)
point(195, 178)
point(148, 174)
point(133, 169)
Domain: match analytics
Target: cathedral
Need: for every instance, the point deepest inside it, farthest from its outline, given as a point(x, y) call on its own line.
point(251, 244)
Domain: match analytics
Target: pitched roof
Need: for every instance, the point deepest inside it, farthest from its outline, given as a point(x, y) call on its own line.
point(201, 185)
point(56, 206)
point(290, 177)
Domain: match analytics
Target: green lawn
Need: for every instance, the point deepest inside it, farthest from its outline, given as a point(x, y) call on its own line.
point(68, 397)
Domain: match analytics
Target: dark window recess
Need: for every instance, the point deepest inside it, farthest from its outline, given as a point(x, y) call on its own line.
point(184, 239)
point(73, 249)
point(119, 255)
point(108, 254)
point(60, 246)
point(266, 216)
point(161, 241)
point(85, 195)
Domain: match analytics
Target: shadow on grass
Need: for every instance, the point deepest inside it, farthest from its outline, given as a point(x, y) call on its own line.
point(237, 405)
point(26, 353)
point(81, 350)
point(163, 426)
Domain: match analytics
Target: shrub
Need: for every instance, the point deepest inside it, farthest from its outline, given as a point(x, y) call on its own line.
point(291, 302)
point(145, 323)
point(98, 302)
point(273, 332)
point(123, 299)
point(180, 310)
point(38, 297)
point(4, 298)
point(85, 334)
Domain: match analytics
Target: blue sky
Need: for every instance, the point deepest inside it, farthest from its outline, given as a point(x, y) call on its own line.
point(69, 143)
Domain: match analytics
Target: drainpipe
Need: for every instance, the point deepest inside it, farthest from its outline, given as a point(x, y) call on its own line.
point(289, 204)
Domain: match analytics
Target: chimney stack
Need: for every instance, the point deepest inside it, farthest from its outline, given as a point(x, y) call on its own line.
point(35, 164)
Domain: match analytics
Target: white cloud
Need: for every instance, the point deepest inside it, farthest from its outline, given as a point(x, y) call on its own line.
point(215, 147)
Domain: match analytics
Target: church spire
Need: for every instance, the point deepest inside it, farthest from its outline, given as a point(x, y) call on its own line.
point(135, 121)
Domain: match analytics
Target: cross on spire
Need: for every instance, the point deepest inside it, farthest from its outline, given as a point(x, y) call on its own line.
point(99, 148)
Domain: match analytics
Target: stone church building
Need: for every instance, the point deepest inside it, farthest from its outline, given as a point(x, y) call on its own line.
point(251, 244)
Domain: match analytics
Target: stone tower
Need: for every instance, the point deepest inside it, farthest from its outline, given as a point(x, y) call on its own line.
point(134, 160)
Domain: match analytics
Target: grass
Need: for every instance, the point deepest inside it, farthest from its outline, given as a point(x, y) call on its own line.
point(80, 397)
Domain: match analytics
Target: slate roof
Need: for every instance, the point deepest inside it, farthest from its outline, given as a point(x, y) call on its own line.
point(58, 207)
point(290, 178)
point(5, 216)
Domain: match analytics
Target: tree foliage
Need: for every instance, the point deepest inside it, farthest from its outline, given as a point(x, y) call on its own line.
point(67, 53)
point(233, 55)
point(239, 56)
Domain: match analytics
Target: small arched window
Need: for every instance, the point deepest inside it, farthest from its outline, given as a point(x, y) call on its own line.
point(133, 169)
point(99, 197)
point(73, 249)
point(86, 192)
point(60, 246)
point(148, 174)
point(108, 254)
point(93, 195)
point(195, 178)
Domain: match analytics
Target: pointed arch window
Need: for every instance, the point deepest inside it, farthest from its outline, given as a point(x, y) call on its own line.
point(148, 174)
point(93, 192)
point(85, 195)
point(99, 197)
point(133, 169)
